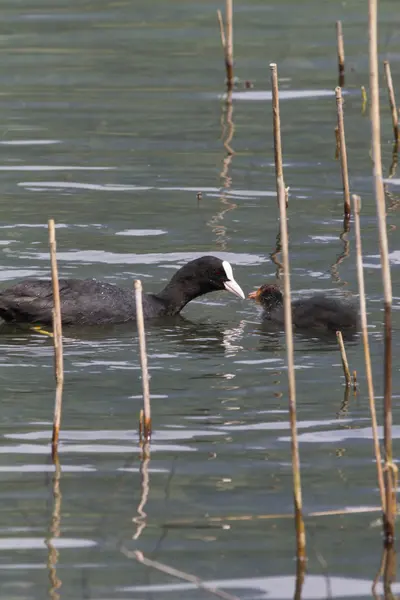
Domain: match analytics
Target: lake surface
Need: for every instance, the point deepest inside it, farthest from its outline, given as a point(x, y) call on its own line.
point(111, 123)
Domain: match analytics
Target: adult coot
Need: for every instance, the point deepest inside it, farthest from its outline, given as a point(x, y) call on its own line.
point(316, 312)
point(89, 302)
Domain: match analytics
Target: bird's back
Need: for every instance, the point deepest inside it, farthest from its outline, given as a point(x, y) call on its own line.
point(323, 312)
point(83, 301)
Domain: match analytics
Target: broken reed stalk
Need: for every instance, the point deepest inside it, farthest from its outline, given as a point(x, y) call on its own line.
point(345, 363)
point(227, 41)
point(388, 527)
point(343, 153)
point(276, 118)
point(340, 49)
point(57, 339)
point(144, 423)
point(300, 529)
point(392, 100)
point(364, 331)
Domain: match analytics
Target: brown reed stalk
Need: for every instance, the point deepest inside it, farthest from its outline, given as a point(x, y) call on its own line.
point(146, 422)
point(385, 269)
point(277, 132)
point(364, 100)
point(367, 355)
point(345, 364)
point(227, 41)
point(343, 153)
point(57, 339)
point(392, 101)
point(300, 529)
point(340, 50)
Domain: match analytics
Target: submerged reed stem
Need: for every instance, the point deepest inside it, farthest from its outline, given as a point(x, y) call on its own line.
point(300, 529)
point(389, 530)
point(144, 423)
point(57, 339)
point(367, 355)
point(343, 153)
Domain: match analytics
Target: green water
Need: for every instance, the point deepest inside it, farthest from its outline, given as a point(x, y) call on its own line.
point(111, 124)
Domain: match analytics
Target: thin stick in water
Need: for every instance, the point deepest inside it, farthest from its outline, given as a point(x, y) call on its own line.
point(392, 100)
point(222, 30)
point(345, 364)
point(276, 118)
point(389, 530)
point(367, 356)
point(343, 153)
point(57, 338)
point(146, 425)
point(340, 49)
point(229, 44)
point(300, 529)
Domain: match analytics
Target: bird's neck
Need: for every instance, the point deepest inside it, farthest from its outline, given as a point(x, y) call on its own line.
point(177, 294)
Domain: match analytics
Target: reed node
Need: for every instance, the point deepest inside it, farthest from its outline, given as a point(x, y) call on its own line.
point(389, 529)
point(340, 50)
point(343, 153)
point(345, 364)
point(57, 339)
point(276, 119)
point(145, 418)
point(299, 522)
point(367, 355)
point(392, 101)
point(227, 41)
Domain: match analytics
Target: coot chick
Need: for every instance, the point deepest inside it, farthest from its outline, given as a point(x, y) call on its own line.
point(317, 312)
point(89, 302)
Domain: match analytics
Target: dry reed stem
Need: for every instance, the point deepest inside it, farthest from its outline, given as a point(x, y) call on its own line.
point(389, 530)
point(392, 101)
point(300, 529)
point(222, 30)
point(57, 339)
point(229, 44)
point(343, 153)
point(277, 131)
point(199, 583)
point(367, 355)
point(146, 421)
point(345, 363)
point(340, 49)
